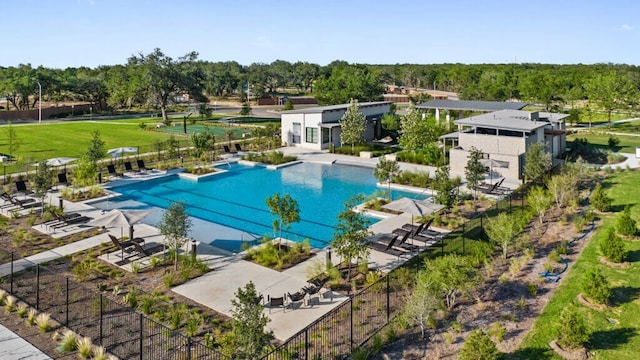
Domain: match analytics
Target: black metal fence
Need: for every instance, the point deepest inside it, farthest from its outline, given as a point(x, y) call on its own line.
point(119, 329)
point(353, 323)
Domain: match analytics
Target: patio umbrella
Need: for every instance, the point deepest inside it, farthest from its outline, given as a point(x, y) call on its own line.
point(121, 218)
point(413, 207)
point(491, 163)
point(59, 161)
point(122, 150)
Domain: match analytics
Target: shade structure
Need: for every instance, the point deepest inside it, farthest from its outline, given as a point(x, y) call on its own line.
point(59, 161)
point(413, 207)
point(121, 218)
point(122, 150)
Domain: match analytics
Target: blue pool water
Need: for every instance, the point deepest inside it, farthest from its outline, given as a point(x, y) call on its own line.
point(237, 198)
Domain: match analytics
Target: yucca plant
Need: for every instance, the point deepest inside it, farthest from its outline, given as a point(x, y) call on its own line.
point(43, 320)
point(85, 347)
point(10, 303)
point(69, 342)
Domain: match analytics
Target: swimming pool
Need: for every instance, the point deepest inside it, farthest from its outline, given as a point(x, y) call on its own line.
point(236, 199)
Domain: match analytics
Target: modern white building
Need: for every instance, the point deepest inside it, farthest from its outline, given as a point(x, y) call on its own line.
point(319, 127)
point(505, 136)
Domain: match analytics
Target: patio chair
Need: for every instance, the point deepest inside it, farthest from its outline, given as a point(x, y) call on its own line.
point(124, 246)
point(412, 231)
point(141, 166)
point(21, 187)
point(11, 201)
point(60, 219)
point(72, 221)
point(112, 171)
point(62, 179)
point(296, 297)
point(128, 167)
point(387, 249)
point(227, 150)
point(276, 302)
point(142, 252)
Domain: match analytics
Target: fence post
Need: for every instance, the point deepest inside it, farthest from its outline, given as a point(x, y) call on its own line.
point(11, 275)
point(509, 204)
point(38, 286)
point(306, 343)
point(351, 327)
point(140, 323)
point(388, 302)
point(481, 228)
point(66, 305)
point(189, 348)
point(100, 325)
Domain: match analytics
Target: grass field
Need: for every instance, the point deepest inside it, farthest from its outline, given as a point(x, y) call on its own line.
point(615, 332)
point(627, 144)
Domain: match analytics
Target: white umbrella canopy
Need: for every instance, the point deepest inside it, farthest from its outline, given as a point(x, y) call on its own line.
point(59, 161)
point(413, 207)
point(121, 218)
point(122, 150)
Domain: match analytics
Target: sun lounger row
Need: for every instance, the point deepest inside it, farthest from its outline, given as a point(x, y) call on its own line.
point(302, 296)
point(12, 201)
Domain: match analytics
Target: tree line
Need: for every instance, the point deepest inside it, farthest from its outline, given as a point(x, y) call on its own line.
point(155, 79)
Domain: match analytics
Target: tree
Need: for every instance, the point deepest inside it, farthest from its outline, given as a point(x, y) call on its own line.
point(536, 162)
point(596, 287)
point(572, 332)
point(479, 346)
point(599, 199)
point(539, 200)
point(423, 302)
point(563, 187)
point(163, 78)
point(13, 141)
point(84, 172)
point(474, 171)
point(390, 122)
point(502, 229)
point(343, 82)
point(286, 209)
point(611, 92)
point(413, 130)
point(612, 247)
point(451, 276)
point(625, 224)
point(202, 141)
point(351, 236)
point(175, 226)
point(42, 180)
point(248, 338)
point(353, 124)
point(288, 105)
point(96, 149)
point(385, 170)
point(444, 185)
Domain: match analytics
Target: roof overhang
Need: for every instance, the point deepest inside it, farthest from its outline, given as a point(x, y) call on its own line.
point(329, 125)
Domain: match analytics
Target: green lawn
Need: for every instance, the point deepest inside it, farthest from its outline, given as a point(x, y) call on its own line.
point(615, 333)
point(627, 144)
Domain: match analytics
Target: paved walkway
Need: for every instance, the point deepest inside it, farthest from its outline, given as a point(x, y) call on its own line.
point(13, 347)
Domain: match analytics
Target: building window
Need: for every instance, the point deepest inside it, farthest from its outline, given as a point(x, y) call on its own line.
point(311, 135)
point(325, 135)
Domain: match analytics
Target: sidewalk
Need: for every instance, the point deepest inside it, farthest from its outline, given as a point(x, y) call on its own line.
point(13, 347)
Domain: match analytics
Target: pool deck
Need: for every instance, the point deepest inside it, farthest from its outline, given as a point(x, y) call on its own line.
point(217, 288)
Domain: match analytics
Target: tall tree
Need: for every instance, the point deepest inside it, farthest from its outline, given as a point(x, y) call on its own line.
point(351, 236)
point(42, 180)
point(344, 82)
point(286, 209)
point(452, 276)
point(175, 226)
point(474, 171)
point(413, 130)
point(423, 302)
point(164, 77)
point(536, 162)
point(13, 141)
point(502, 229)
point(385, 170)
point(353, 124)
point(612, 92)
point(539, 201)
point(444, 186)
point(96, 150)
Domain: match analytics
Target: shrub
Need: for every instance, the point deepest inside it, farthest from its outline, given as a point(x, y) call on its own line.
point(479, 346)
point(3, 296)
point(68, 342)
point(554, 256)
point(625, 224)
point(31, 316)
point(85, 347)
point(10, 304)
point(532, 289)
point(21, 309)
point(572, 332)
point(599, 199)
point(497, 331)
point(613, 141)
point(612, 247)
point(43, 320)
point(596, 287)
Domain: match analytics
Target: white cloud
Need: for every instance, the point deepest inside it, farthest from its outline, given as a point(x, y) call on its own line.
point(263, 41)
point(86, 2)
point(627, 27)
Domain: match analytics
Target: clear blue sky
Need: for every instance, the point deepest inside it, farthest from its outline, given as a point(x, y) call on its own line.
point(71, 33)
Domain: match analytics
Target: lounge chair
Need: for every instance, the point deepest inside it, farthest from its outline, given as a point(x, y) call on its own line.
point(60, 219)
point(62, 179)
point(142, 252)
point(112, 171)
point(21, 187)
point(72, 221)
point(490, 189)
point(387, 249)
point(21, 203)
point(296, 297)
point(141, 166)
point(227, 150)
point(412, 231)
point(128, 167)
point(124, 246)
point(276, 302)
